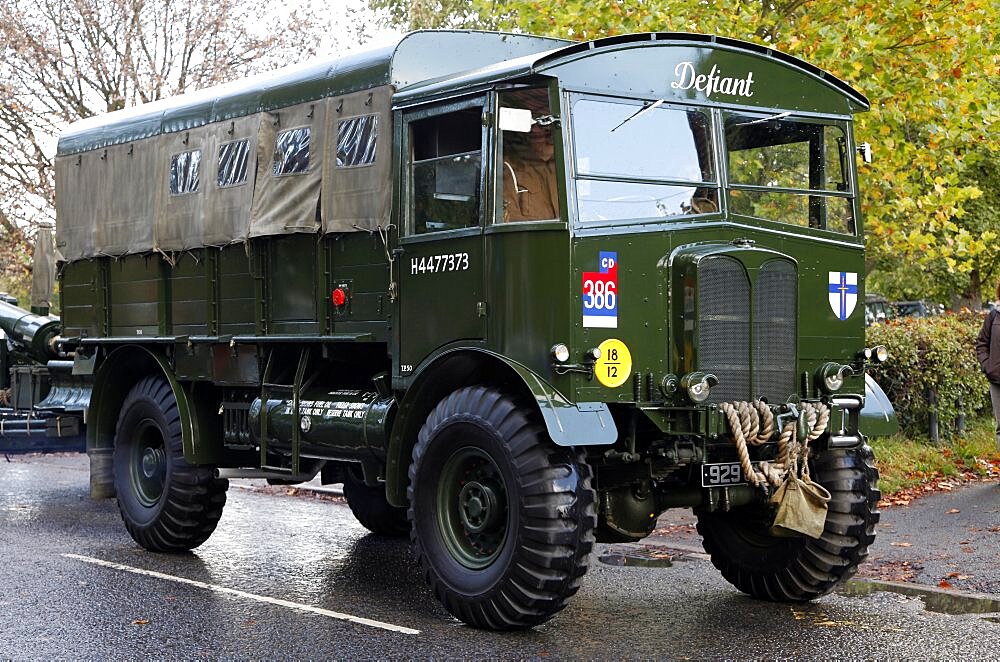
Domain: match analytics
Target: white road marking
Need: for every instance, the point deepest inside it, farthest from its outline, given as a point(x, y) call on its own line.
point(249, 596)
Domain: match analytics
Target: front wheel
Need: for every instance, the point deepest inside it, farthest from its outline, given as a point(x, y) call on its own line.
point(167, 504)
point(502, 519)
point(799, 569)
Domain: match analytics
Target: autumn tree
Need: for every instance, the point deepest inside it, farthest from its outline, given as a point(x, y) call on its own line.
point(434, 14)
point(931, 70)
point(64, 60)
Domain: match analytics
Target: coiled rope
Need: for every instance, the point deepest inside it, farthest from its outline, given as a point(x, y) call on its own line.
point(753, 423)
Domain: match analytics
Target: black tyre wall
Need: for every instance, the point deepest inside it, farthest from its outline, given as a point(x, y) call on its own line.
point(799, 569)
point(371, 508)
point(187, 511)
point(550, 512)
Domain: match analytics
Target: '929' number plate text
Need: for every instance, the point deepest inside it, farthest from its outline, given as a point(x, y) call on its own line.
point(723, 473)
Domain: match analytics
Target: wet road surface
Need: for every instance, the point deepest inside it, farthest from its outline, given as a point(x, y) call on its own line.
point(242, 594)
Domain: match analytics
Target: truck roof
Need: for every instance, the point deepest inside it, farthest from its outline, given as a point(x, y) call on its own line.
point(414, 57)
point(420, 63)
point(541, 61)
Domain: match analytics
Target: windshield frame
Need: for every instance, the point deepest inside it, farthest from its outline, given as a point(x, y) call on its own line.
point(721, 165)
point(848, 167)
point(574, 175)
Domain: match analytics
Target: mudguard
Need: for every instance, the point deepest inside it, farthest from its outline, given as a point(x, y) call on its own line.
point(115, 376)
point(878, 417)
point(568, 424)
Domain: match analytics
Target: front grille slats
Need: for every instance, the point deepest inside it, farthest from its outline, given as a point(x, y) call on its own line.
point(748, 365)
point(724, 326)
point(774, 331)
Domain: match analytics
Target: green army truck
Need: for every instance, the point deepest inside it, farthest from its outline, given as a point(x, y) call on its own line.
point(518, 294)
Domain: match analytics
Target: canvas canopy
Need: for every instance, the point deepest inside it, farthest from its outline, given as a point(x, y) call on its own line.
point(303, 149)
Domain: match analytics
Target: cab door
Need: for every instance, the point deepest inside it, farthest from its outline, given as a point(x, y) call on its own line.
point(441, 271)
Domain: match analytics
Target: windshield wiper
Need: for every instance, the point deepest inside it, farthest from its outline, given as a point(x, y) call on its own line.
point(644, 109)
point(762, 120)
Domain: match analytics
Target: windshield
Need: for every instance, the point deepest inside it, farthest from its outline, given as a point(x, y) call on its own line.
point(791, 171)
point(640, 161)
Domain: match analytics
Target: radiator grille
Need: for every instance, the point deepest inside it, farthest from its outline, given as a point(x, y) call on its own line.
point(774, 300)
point(724, 326)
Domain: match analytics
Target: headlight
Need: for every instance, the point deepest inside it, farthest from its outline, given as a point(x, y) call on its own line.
point(881, 354)
point(560, 352)
point(832, 376)
point(698, 385)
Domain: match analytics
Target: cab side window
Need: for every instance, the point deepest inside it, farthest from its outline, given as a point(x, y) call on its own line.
point(446, 160)
point(528, 160)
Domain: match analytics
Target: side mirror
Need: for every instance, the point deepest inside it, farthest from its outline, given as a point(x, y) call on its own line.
point(865, 150)
point(516, 119)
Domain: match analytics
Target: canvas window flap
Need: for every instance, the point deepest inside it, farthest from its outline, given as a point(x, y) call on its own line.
point(76, 198)
point(180, 188)
point(230, 171)
point(287, 203)
point(43, 268)
point(358, 196)
point(127, 201)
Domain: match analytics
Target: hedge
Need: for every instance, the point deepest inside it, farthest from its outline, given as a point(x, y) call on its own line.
point(931, 353)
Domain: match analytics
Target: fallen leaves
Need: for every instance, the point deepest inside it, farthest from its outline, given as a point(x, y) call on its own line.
point(901, 544)
point(890, 570)
point(141, 621)
point(944, 583)
point(952, 511)
point(934, 482)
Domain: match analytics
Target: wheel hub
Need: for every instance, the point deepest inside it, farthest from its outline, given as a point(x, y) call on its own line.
point(477, 506)
point(148, 463)
point(472, 507)
point(152, 461)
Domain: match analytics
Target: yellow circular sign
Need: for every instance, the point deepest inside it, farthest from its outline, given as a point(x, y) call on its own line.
point(615, 364)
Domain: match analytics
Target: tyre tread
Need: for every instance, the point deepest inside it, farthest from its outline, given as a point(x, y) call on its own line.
point(557, 526)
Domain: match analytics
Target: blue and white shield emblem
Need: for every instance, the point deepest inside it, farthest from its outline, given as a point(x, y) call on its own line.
point(843, 293)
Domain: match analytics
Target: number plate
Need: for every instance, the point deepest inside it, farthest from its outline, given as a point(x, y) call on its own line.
point(722, 473)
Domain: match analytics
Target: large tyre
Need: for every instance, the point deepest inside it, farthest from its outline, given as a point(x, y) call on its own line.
point(502, 519)
point(800, 569)
point(167, 504)
point(371, 508)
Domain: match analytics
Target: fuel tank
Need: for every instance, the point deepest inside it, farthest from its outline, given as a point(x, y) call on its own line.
point(331, 423)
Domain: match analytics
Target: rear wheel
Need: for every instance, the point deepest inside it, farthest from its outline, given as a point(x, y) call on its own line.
point(799, 569)
point(502, 519)
point(167, 504)
point(371, 508)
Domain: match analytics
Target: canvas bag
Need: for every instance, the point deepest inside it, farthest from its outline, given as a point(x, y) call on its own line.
point(802, 507)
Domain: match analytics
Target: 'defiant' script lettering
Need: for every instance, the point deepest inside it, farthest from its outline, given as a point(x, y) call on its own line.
point(712, 82)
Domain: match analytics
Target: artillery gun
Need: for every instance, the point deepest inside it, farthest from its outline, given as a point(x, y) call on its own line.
point(41, 402)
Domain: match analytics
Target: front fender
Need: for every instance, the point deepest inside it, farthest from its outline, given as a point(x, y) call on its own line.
point(568, 424)
point(878, 417)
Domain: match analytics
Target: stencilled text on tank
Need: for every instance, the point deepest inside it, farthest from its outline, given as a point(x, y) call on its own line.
point(330, 409)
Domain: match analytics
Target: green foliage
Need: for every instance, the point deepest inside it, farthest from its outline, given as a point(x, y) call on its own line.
point(931, 353)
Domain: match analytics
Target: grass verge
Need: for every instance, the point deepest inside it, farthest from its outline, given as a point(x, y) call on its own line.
point(906, 463)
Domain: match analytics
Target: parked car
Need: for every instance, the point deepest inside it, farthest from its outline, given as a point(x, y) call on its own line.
point(877, 309)
point(917, 308)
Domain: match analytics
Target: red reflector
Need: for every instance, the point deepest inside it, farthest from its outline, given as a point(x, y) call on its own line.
point(338, 297)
